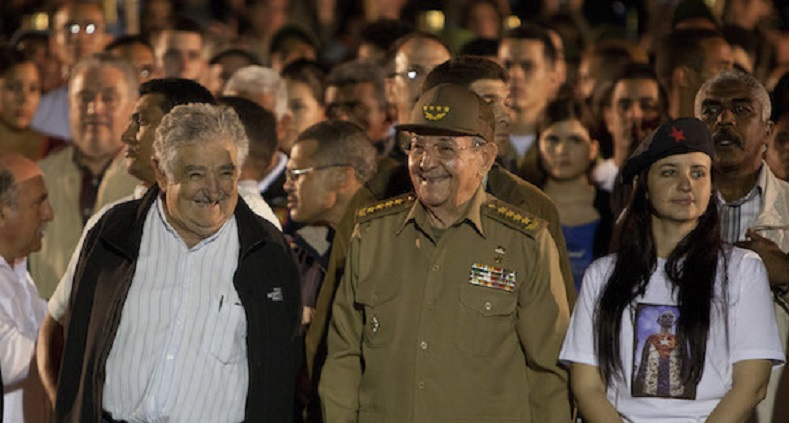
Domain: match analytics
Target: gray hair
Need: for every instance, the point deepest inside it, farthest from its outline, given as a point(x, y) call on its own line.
point(259, 80)
point(8, 188)
point(342, 142)
point(104, 59)
point(194, 124)
point(735, 76)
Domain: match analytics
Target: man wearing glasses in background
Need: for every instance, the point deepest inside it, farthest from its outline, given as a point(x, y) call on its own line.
point(452, 306)
point(78, 30)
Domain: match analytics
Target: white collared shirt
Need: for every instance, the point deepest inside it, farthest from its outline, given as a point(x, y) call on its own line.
point(21, 314)
point(180, 351)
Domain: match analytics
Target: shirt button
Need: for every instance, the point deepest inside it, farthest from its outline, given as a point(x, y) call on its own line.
point(170, 356)
point(423, 345)
point(488, 306)
point(421, 385)
point(436, 267)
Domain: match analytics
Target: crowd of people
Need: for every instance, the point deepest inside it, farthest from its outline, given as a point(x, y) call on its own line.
point(370, 211)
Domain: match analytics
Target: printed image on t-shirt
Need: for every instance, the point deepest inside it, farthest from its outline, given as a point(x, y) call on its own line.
point(657, 358)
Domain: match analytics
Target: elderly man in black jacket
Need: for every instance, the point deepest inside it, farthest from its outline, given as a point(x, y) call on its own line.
point(185, 305)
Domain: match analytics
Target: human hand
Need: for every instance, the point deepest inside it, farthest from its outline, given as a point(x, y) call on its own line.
point(775, 260)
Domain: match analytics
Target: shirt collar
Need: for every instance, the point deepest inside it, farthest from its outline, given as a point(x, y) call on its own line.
point(419, 214)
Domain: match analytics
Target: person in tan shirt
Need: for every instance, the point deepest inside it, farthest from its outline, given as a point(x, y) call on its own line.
point(452, 306)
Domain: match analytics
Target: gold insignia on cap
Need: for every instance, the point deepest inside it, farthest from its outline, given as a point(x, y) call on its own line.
point(435, 112)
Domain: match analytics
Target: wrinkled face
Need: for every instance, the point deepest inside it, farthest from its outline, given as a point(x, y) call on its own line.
point(413, 62)
point(734, 118)
point(496, 93)
point(202, 193)
point(181, 54)
point(634, 110)
point(140, 134)
point(360, 104)
point(23, 225)
point(78, 31)
point(141, 58)
point(304, 110)
point(99, 105)
point(20, 93)
point(778, 152)
point(680, 187)
point(446, 171)
point(566, 150)
point(311, 195)
point(532, 78)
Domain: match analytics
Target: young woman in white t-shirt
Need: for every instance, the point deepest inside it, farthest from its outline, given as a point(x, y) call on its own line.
point(676, 326)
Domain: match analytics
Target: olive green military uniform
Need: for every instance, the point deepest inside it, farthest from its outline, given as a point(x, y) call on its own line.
point(464, 324)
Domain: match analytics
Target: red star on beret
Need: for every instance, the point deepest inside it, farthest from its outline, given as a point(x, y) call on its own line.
point(677, 135)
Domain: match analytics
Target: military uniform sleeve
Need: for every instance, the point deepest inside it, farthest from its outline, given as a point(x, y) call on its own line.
point(543, 317)
point(342, 372)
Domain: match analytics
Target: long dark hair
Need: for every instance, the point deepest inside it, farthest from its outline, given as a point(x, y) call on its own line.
point(691, 267)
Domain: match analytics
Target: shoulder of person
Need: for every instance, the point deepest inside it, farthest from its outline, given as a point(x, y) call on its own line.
point(387, 207)
point(513, 217)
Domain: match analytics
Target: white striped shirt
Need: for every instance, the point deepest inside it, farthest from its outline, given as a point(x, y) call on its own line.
point(737, 216)
point(180, 351)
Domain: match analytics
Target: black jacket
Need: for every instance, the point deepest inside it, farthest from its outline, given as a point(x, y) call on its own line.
point(101, 283)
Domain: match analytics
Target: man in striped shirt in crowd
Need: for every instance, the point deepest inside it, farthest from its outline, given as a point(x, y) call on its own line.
point(185, 305)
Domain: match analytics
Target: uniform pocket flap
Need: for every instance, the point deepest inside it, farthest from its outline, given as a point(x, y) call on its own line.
point(488, 301)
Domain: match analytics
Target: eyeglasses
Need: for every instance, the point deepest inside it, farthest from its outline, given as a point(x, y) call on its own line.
point(75, 28)
point(293, 175)
point(411, 73)
point(445, 150)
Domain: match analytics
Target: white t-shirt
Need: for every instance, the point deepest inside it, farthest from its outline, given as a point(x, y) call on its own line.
point(649, 325)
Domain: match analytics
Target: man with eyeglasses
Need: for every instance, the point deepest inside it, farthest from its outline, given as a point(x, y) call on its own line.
point(410, 59)
point(452, 306)
point(78, 30)
point(139, 52)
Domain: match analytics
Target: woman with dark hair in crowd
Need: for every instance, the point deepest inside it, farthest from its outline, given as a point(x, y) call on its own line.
point(567, 153)
point(676, 326)
point(20, 93)
point(306, 82)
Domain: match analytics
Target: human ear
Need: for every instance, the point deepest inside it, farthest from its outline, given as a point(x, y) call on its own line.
point(489, 152)
point(161, 176)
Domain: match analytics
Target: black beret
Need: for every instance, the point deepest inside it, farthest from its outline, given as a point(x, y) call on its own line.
point(678, 136)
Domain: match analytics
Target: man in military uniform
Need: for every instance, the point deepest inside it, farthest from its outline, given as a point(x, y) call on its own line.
point(452, 299)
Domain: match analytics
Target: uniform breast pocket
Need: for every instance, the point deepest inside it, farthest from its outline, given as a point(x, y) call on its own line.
point(486, 319)
point(377, 299)
point(225, 333)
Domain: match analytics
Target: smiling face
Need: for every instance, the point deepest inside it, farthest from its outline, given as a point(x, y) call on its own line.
point(139, 137)
point(680, 187)
point(566, 150)
point(734, 117)
point(445, 184)
point(20, 93)
point(99, 105)
point(202, 193)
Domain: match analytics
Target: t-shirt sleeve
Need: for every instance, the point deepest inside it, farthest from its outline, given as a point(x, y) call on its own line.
point(578, 345)
point(754, 332)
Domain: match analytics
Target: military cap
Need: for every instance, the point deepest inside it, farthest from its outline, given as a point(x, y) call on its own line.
point(449, 109)
point(678, 136)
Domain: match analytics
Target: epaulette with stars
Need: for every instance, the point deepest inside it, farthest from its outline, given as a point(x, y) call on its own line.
point(385, 207)
point(514, 217)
